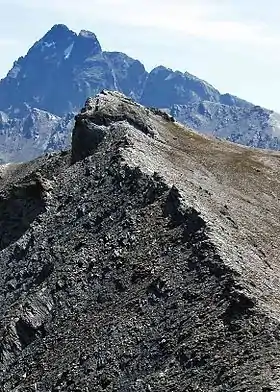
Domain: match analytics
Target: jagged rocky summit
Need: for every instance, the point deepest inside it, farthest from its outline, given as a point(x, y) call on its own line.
point(146, 258)
point(63, 68)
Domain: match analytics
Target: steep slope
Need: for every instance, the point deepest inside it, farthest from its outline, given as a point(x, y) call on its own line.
point(145, 259)
point(63, 68)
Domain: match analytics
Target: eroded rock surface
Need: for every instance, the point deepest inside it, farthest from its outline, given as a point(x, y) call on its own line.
point(149, 261)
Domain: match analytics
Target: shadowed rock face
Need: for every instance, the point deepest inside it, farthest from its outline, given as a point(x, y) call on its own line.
point(151, 266)
point(18, 209)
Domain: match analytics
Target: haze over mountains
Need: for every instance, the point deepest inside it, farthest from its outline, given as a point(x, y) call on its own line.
point(44, 89)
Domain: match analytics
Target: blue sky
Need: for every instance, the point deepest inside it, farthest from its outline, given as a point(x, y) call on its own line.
point(233, 44)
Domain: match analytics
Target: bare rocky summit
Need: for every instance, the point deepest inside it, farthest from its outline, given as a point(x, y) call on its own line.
point(144, 259)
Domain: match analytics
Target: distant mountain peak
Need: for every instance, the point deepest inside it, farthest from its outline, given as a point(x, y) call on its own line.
point(161, 68)
point(58, 33)
point(60, 27)
point(85, 45)
point(87, 34)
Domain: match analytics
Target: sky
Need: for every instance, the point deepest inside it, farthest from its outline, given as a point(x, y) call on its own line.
point(232, 44)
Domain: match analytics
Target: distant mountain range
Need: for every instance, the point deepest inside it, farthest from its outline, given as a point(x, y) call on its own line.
point(42, 92)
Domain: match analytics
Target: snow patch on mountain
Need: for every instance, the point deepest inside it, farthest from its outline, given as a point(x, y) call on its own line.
point(68, 51)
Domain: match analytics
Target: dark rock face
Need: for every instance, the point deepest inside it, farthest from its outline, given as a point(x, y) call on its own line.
point(130, 74)
point(63, 69)
point(17, 211)
point(33, 78)
point(117, 281)
point(85, 46)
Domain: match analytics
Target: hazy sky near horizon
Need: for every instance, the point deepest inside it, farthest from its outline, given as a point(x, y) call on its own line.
point(233, 44)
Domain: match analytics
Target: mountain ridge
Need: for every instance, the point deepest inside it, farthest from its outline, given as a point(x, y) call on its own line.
point(63, 68)
point(147, 260)
point(60, 36)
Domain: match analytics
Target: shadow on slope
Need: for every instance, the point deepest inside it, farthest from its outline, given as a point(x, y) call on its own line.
point(18, 209)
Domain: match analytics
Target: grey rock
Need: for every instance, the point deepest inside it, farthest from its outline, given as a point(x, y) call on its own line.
point(142, 263)
point(106, 110)
point(37, 132)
